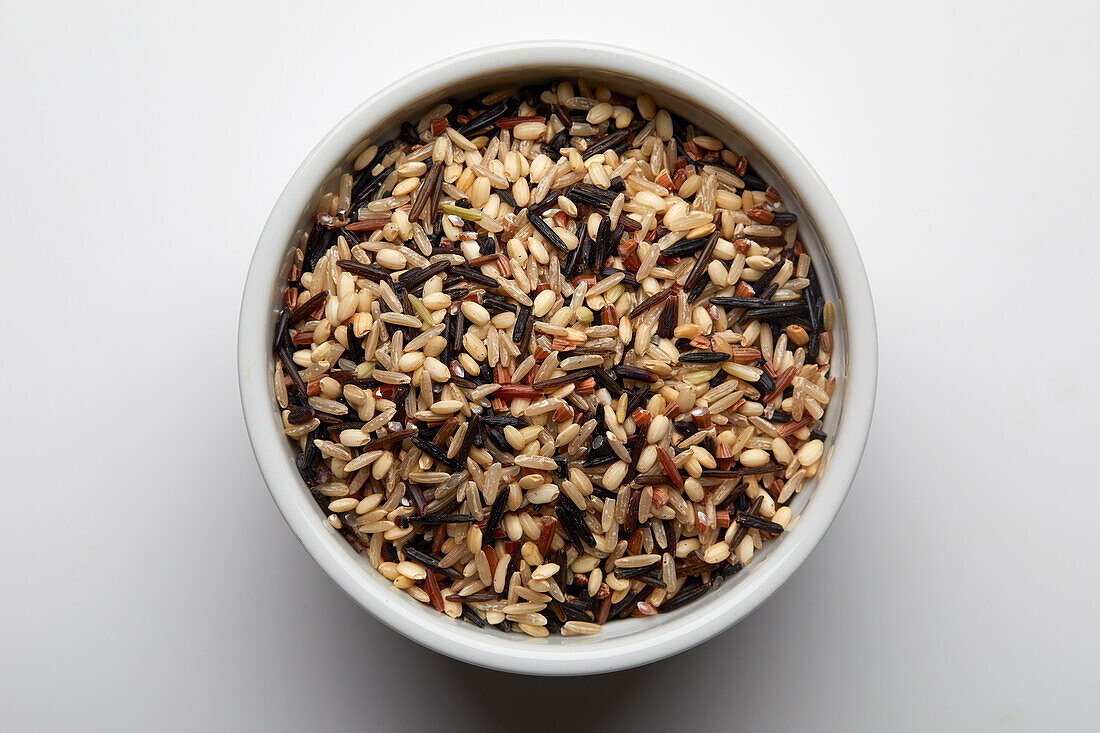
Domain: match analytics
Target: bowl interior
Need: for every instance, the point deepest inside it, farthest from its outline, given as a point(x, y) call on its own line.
point(489, 646)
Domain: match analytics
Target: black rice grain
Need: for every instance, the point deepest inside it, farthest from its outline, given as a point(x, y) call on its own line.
point(704, 357)
point(437, 453)
point(547, 233)
point(700, 266)
point(638, 374)
point(434, 519)
point(686, 595)
point(606, 143)
point(496, 513)
point(754, 522)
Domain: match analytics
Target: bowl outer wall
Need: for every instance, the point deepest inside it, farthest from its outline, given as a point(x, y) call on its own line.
point(693, 624)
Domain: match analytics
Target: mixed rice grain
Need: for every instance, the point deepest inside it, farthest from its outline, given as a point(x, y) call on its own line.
point(554, 357)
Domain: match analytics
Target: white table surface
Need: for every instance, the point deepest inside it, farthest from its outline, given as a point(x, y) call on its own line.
point(148, 582)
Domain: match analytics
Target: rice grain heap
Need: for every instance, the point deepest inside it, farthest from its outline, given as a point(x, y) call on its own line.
point(553, 357)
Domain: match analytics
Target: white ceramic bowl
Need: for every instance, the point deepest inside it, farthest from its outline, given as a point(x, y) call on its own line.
point(626, 643)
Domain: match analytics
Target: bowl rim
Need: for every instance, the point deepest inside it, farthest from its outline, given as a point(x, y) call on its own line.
point(596, 655)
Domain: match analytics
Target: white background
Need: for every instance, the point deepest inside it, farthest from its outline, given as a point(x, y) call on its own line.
point(149, 583)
